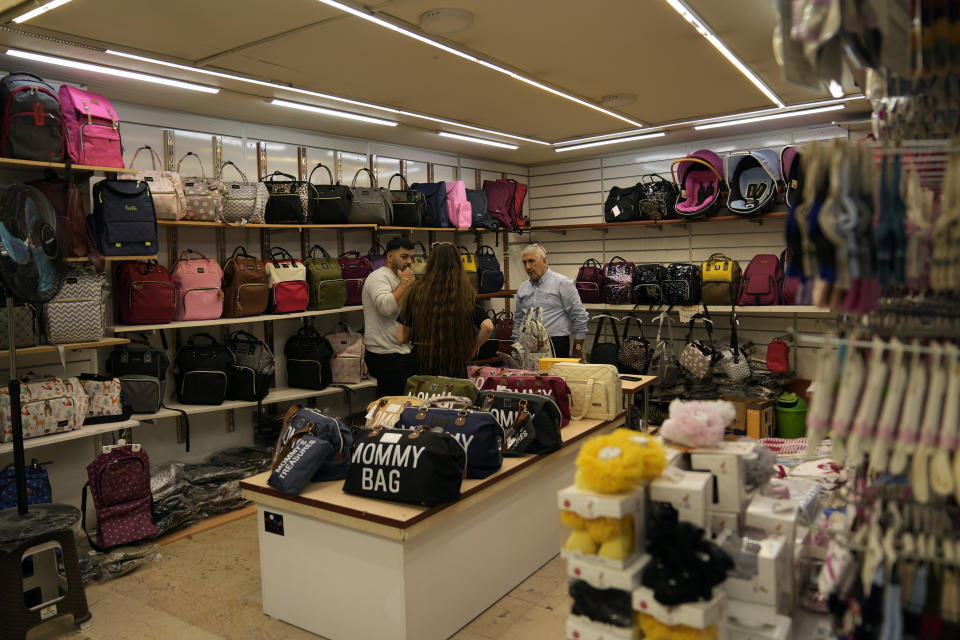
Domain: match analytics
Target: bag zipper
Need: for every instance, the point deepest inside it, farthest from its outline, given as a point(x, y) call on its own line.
point(134, 286)
point(91, 124)
point(187, 375)
point(6, 120)
point(184, 296)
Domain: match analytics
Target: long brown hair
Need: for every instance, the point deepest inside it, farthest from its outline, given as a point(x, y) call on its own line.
point(441, 307)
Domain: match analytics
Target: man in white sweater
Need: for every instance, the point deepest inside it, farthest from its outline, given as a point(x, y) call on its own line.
point(383, 292)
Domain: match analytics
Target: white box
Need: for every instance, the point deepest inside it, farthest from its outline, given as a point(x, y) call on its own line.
point(688, 492)
point(774, 517)
point(590, 505)
point(773, 583)
point(677, 458)
point(726, 464)
point(580, 567)
point(699, 615)
point(806, 494)
point(724, 521)
point(583, 628)
point(749, 621)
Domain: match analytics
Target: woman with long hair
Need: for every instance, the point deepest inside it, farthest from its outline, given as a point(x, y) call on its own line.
point(442, 318)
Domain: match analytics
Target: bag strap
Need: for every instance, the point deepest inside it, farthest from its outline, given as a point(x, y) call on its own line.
point(373, 180)
point(154, 158)
point(240, 250)
point(272, 176)
point(322, 251)
point(188, 251)
point(235, 168)
point(376, 246)
point(417, 242)
point(352, 253)
point(192, 341)
point(463, 250)
point(83, 519)
point(320, 165)
point(578, 415)
point(626, 325)
point(199, 161)
point(734, 341)
point(589, 262)
point(240, 333)
point(282, 253)
point(485, 249)
point(403, 182)
point(308, 330)
point(598, 332)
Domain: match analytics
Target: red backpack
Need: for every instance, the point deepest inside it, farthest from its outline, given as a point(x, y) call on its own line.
point(119, 481)
point(760, 282)
point(143, 292)
point(589, 282)
point(500, 202)
point(519, 193)
point(355, 269)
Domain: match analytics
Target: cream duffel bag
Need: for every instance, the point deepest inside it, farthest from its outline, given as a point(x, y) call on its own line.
point(595, 391)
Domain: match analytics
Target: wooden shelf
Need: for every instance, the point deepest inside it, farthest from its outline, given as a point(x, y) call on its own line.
point(34, 164)
point(454, 229)
point(83, 432)
point(73, 346)
point(507, 293)
point(224, 225)
point(650, 223)
point(721, 310)
point(112, 258)
point(270, 317)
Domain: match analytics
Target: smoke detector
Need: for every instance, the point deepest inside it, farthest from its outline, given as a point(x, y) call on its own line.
point(445, 21)
point(618, 99)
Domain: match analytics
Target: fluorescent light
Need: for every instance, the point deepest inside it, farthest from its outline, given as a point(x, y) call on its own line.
point(492, 143)
point(370, 17)
point(110, 71)
point(711, 37)
point(836, 89)
point(605, 142)
point(600, 137)
point(324, 96)
point(772, 116)
point(333, 112)
point(42, 9)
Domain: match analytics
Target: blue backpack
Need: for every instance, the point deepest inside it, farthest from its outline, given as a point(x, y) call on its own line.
point(481, 217)
point(489, 274)
point(436, 195)
point(123, 221)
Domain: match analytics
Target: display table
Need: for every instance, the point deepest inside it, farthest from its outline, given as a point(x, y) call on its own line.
point(631, 385)
point(347, 567)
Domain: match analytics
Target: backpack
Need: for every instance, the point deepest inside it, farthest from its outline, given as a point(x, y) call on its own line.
point(119, 483)
point(519, 193)
point(533, 340)
point(308, 357)
point(589, 282)
point(245, 289)
point(595, 389)
point(622, 204)
point(789, 287)
point(721, 280)
point(469, 262)
point(243, 201)
point(92, 128)
point(459, 210)
point(201, 371)
point(681, 284)
point(32, 120)
point(143, 292)
point(500, 202)
point(251, 373)
point(287, 279)
point(348, 364)
point(481, 218)
point(329, 203)
point(75, 314)
point(196, 283)
point(436, 196)
point(74, 237)
point(409, 205)
point(648, 283)
point(142, 372)
point(618, 281)
point(166, 188)
point(760, 284)
point(699, 178)
point(489, 274)
point(123, 220)
point(325, 281)
point(355, 269)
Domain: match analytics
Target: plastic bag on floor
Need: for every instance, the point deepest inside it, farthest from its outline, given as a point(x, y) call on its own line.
point(202, 474)
point(167, 480)
point(250, 460)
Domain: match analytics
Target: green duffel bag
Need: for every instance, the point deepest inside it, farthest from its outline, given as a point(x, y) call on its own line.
point(433, 386)
point(325, 281)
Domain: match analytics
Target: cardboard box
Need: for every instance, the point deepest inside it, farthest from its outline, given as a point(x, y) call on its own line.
point(724, 521)
point(583, 628)
point(726, 465)
point(545, 363)
point(755, 418)
point(603, 577)
point(772, 585)
point(688, 491)
point(698, 615)
point(590, 505)
point(749, 621)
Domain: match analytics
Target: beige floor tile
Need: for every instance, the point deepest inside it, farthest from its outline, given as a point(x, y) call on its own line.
point(538, 624)
point(469, 635)
point(496, 620)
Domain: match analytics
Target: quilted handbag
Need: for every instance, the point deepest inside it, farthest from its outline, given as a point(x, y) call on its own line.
point(166, 188)
point(618, 281)
point(47, 405)
point(288, 201)
point(347, 365)
point(355, 269)
point(663, 363)
point(26, 327)
point(243, 201)
point(409, 205)
point(681, 284)
point(604, 352)
point(478, 431)
point(589, 282)
point(595, 389)
point(103, 399)
point(371, 205)
point(657, 196)
point(635, 351)
point(418, 261)
point(75, 314)
point(648, 283)
point(329, 203)
point(622, 204)
point(698, 356)
point(325, 279)
point(204, 195)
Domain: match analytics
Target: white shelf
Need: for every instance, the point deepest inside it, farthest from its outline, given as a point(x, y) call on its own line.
point(277, 395)
point(718, 310)
point(270, 317)
point(83, 432)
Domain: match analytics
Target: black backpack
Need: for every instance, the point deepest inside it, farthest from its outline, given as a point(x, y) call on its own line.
point(436, 195)
point(142, 371)
point(681, 284)
point(123, 221)
point(622, 205)
point(251, 373)
point(32, 121)
point(308, 360)
point(328, 203)
point(202, 371)
point(409, 205)
point(648, 283)
point(489, 273)
point(478, 207)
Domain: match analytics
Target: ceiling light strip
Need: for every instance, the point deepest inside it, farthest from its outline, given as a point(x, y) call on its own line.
point(705, 31)
point(324, 96)
point(773, 116)
point(333, 112)
point(370, 17)
point(601, 143)
point(110, 71)
point(42, 9)
point(491, 143)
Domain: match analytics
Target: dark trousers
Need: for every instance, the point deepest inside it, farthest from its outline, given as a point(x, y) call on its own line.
point(390, 370)
point(561, 346)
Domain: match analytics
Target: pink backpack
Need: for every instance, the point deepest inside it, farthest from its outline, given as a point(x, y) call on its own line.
point(196, 287)
point(92, 127)
point(760, 282)
point(458, 207)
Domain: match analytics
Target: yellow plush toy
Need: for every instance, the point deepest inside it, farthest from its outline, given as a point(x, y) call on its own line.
point(616, 462)
point(608, 537)
point(653, 629)
point(579, 539)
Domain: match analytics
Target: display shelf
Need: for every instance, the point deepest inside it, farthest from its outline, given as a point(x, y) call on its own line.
point(252, 225)
point(83, 432)
point(35, 164)
point(111, 258)
point(463, 230)
point(280, 394)
point(718, 310)
point(269, 317)
point(509, 293)
point(73, 346)
point(775, 215)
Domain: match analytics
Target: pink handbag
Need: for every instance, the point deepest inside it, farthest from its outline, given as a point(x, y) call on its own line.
point(196, 286)
point(92, 128)
point(458, 207)
point(347, 365)
point(521, 381)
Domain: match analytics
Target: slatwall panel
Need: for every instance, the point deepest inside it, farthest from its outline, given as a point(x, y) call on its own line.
point(384, 168)
point(416, 171)
point(444, 173)
point(350, 164)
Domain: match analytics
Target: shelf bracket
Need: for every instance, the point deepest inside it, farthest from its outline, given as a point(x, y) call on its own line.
point(181, 433)
point(231, 421)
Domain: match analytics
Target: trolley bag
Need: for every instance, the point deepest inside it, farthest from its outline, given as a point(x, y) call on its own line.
point(245, 289)
point(355, 269)
point(142, 372)
point(32, 119)
point(204, 195)
point(589, 282)
point(531, 422)
point(144, 292)
point(348, 363)
point(324, 280)
point(417, 466)
point(377, 256)
point(371, 205)
point(243, 201)
point(166, 188)
point(500, 202)
point(385, 412)
point(595, 389)
point(605, 352)
point(458, 207)
point(681, 284)
point(287, 279)
point(38, 485)
point(409, 205)
point(311, 447)
point(635, 351)
point(104, 399)
point(478, 431)
point(123, 221)
point(481, 218)
point(554, 387)
point(622, 204)
point(329, 203)
point(721, 280)
point(428, 387)
point(308, 356)
point(418, 261)
point(251, 374)
point(200, 370)
point(196, 283)
point(648, 283)
point(119, 483)
point(288, 201)
point(489, 273)
point(76, 313)
point(618, 281)
point(436, 195)
point(469, 262)
point(92, 128)
point(760, 284)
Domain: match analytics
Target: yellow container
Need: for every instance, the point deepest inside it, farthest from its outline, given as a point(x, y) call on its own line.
point(546, 363)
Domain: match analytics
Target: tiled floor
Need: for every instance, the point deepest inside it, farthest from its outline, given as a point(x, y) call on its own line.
point(208, 587)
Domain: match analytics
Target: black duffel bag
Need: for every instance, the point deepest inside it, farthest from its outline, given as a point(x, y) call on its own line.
point(308, 360)
point(416, 466)
point(622, 205)
point(329, 203)
point(409, 205)
point(531, 421)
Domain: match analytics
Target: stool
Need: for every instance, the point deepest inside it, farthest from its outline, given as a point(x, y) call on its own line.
point(53, 587)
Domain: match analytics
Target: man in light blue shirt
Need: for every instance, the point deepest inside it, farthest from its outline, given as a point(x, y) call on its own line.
point(557, 296)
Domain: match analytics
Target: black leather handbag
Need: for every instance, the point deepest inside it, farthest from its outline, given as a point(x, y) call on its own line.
point(287, 202)
point(605, 352)
point(409, 205)
point(329, 203)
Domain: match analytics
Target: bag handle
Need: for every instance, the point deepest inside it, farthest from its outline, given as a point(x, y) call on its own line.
point(707, 323)
point(373, 179)
point(616, 259)
point(718, 257)
point(486, 250)
point(734, 341)
point(375, 247)
point(192, 341)
point(352, 253)
point(589, 262)
point(186, 251)
point(626, 325)
point(417, 242)
point(229, 163)
point(308, 330)
point(242, 251)
point(245, 334)
point(653, 177)
point(199, 161)
point(320, 165)
point(463, 249)
point(322, 251)
point(279, 253)
point(272, 176)
point(599, 331)
point(154, 158)
point(403, 182)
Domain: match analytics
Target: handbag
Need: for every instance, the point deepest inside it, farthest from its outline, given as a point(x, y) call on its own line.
point(418, 261)
point(104, 399)
point(385, 412)
point(142, 372)
point(618, 281)
point(377, 256)
point(371, 205)
point(589, 282)
point(38, 485)
point(355, 270)
point(622, 204)
point(428, 387)
point(519, 381)
point(243, 201)
point(635, 351)
point(47, 405)
point(308, 356)
point(409, 205)
point(200, 370)
point(75, 314)
point(348, 364)
point(663, 363)
point(329, 203)
point(166, 188)
point(325, 280)
point(311, 446)
point(26, 326)
point(734, 363)
point(657, 197)
point(648, 283)
point(469, 262)
point(604, 352)
point(245, 289)
point(595, 389)
point(288, 201)
point(204, 195)
point(531, 422)
point(698, 356)
point(478, 431)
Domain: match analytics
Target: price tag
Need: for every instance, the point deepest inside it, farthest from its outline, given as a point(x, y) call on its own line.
point(686, 313)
